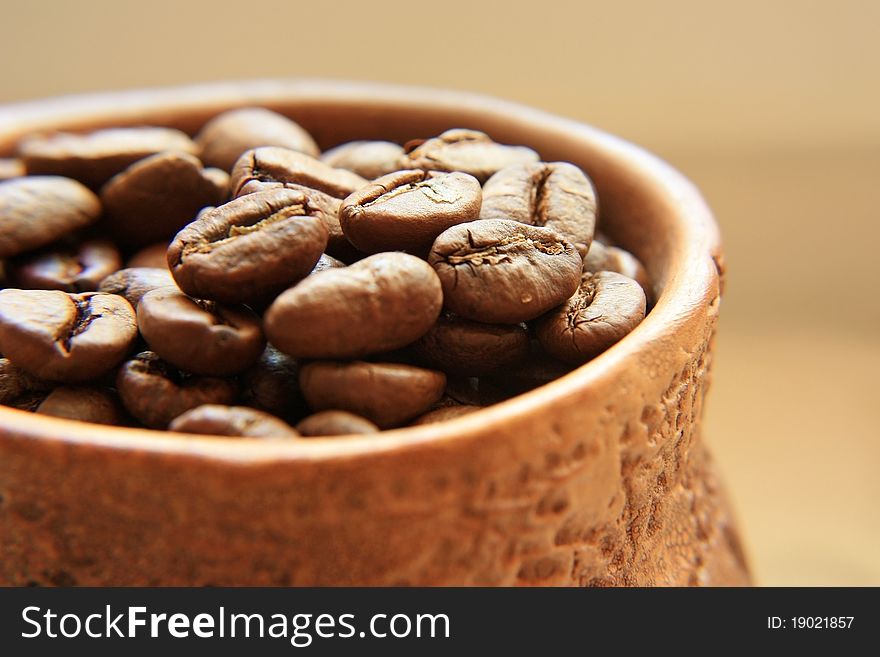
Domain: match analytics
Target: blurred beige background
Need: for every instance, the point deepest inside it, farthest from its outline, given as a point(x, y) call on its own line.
point(771, 107)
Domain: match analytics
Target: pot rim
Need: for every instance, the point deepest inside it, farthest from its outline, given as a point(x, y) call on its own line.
point(693, 273)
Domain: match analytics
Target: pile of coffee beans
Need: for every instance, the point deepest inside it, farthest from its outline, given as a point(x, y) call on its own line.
point(243, 283)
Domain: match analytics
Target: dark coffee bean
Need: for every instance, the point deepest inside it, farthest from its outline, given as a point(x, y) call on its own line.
point(406, 210)
point(613, 258)
point(388, 394)
point(155, 392)
point(134, 282)
point(96, 157)
point(469, 151)
point(157, 196)
point(378, 304)
point(443, 414)
point(327, 262)
point(504, 272)
point(86, 404)
point(16, 384)
point(38, 210)
point(11, 167)
point(272, 385)
point(249, 248)
point(153, 256)
point(465, 348)
point(536, 370)
point(604, 309)
point(71, 269)
point(217, 420)
point(557, 195)
point(270, 167)
point(65, 337)
point(369, 159)
point(225, 137)
point(202, 337)
point(335, 423)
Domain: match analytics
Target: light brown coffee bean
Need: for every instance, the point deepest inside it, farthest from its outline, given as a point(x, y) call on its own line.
point(557, 195)
point(86, 404)
point(96, 157)
point(11, 167)
point(406, 210)
point(613, 258)
point(202, 337)
point(327, 262)
point(134, 282)
point(469, 151)
point(604, 309)
point(504, 272)
point(369, 159)
point(79, 268)
point(154, 256)
point(157, 196)
point(217, 420)
point(272, 385)
point(225, 137)
point(155, 392)
point(249, 248)
point(65, 337)
point(378, 304)
point(15, 383)
point(443, 414)
point(38, 210)
point(270, 167)
point(388, 394)
point(335, 423)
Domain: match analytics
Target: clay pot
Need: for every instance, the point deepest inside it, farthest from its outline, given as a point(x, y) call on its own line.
point(598, 478)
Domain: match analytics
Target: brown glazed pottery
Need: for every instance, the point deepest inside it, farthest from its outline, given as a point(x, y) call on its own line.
point(600, 478)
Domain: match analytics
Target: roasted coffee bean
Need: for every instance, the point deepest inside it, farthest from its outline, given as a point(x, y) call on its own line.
point(202, 337)
point(465, 348)
point(86, 404)
point(335, 423)
point(153, 256)
point(155, 392)
point(249, 248)
point(157, 196)
point(37, 210)
point(217, 420)
point(65, 337)
point(504, 272)
point(534, 371)
point(16, 384)
point(406, 210)
point(378, 304)
point(11, 167)
point(327, 262)
point(72, 269)
point(443, 414)
point(270, 167)
point(557, 195)
point(96, 157)
point(134, 282)
point(225, 137)
point(388, 394)
point(469, 151)
point(613, 258)
point(369, 159)
point(272, 385)
point(604, 309)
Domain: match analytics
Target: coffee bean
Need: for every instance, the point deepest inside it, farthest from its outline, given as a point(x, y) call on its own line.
point(155, 392)
point(272, 385)
point(406, 210)
point(202, 337)
point(65, 337)
point(557, 195)
point(157, 196)
point(249, 248)
point(11, 167)
point(270, 167)
point(134, 282)
point(225, 137)
point(443, 414)
point(15, 383)
point(327, 262)
point(86, 404)
point(604, 309)
point(37, 210)
point(335, 423)
point(217, 420)
point(388, 394)
point(504, 272)
point(469, 151)
point(378, 304)
point(613, 258)
point(535, 370)
point(79, 268)
point(369, 159)
point(96, 157)
point(153, 256)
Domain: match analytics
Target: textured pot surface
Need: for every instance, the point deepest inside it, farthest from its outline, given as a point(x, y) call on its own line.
point(599, 478)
